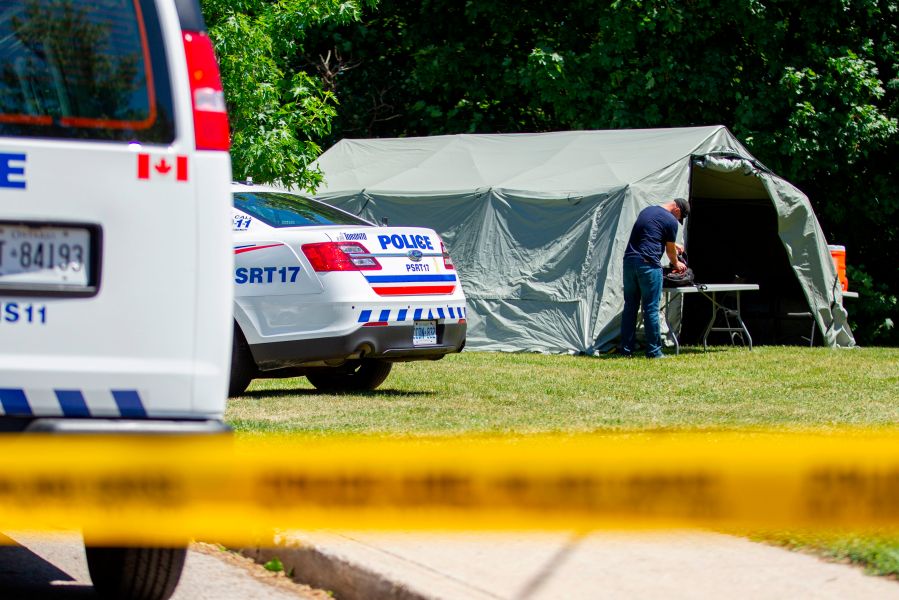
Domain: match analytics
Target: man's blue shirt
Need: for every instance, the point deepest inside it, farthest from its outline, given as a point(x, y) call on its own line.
point(654, 228)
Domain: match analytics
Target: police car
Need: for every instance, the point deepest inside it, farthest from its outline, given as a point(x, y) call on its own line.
point(323, 293)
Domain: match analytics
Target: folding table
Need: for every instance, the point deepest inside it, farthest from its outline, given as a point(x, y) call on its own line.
point(710, 291)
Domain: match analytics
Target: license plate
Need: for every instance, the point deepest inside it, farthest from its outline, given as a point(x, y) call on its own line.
point(44, 255)
point(424, 333)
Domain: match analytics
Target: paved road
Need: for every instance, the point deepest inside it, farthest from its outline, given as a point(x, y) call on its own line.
point(54, 567)
point(500, 566)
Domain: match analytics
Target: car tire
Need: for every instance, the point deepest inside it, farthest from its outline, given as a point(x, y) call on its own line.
point(243, 367)
point(362, 376)
point(135, 573)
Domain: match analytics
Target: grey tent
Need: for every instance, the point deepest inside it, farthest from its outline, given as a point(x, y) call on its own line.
point(538, 223)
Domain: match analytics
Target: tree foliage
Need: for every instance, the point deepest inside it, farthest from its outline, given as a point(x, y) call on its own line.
point(277, 110)
point(813, 91)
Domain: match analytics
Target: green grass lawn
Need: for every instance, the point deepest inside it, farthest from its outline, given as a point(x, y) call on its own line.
point(878, 553)
point(782, 388)
point(772, 387)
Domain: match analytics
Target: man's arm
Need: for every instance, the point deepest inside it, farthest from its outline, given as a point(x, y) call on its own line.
point(671, 250)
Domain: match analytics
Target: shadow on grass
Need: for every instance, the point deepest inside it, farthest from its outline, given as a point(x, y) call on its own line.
point(700, 350)
point(684, 350)
point(308, 392)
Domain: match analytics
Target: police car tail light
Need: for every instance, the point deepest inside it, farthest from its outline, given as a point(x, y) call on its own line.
point(447, 260)
point(210, 116)
point(340, 256)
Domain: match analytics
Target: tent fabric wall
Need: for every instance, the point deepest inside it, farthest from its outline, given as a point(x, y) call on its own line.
point(537, 224)
point(806, 246)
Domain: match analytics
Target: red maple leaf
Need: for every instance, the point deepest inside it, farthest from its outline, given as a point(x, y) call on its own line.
point(162, 167)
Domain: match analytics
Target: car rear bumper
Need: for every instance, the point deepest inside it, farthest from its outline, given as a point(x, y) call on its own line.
point(389, 343)
point(92, 426)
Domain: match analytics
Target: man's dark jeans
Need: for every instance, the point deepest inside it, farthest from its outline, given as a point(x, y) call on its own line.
point(642, 282)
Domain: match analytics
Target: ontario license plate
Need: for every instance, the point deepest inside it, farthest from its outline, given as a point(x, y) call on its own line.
point(424, 333)
point(44, 255)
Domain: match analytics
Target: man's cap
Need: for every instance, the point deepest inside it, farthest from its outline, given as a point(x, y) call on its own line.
point(684, 207)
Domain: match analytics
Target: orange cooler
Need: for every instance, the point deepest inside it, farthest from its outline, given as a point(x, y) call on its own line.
point(838, 253)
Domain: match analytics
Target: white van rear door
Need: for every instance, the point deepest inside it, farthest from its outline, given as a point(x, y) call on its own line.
point(97, 147)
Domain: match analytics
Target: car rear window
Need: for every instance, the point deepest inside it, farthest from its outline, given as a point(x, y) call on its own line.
point(84, 69)
point(287, 210)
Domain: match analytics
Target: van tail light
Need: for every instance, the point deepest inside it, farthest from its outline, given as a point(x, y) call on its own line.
point(447, 260)
point(340, 256)
point(210, 115)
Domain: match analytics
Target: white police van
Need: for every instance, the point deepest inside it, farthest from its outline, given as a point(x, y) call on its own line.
point(323, 293)
point(115, 250)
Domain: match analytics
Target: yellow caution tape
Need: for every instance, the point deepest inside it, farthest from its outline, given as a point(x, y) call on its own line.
point(160, 490)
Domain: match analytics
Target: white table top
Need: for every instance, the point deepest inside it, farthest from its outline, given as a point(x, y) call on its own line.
point(713, 287)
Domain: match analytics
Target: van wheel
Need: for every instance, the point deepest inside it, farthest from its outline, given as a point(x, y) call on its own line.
point(361, 376)
point(135, 573)
point(243, 367)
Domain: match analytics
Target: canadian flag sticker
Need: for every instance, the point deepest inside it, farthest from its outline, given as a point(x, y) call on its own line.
point(161, 168)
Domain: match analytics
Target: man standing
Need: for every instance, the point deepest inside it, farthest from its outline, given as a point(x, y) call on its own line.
point(653, 234)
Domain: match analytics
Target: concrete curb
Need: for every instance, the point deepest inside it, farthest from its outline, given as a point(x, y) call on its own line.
point(328, 570)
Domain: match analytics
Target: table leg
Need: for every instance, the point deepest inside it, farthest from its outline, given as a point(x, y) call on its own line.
point(742, 324)
point(668, 323)
point(727, 312)
point(708, 329)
